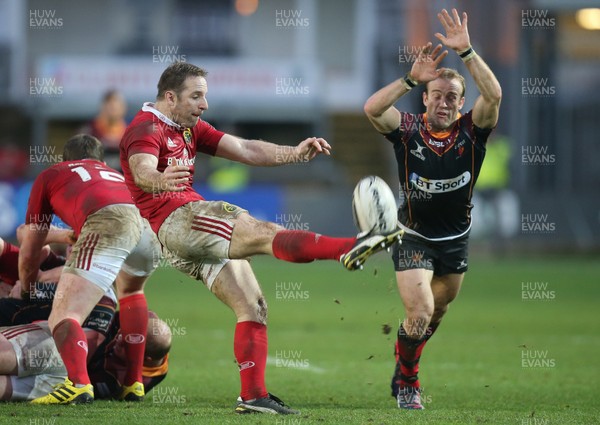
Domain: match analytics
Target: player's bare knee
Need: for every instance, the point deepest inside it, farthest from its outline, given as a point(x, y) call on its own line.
point(415, 324)
point(261, 310)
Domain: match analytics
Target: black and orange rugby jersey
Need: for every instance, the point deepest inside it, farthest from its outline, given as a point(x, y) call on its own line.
point(437, 173)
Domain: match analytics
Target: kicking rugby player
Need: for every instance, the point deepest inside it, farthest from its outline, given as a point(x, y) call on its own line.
point(158, 153)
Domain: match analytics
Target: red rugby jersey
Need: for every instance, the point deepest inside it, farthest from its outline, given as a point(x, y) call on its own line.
point(73, 190)
point(153, 133)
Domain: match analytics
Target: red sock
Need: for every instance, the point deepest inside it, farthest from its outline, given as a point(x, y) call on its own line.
point(9, 264)
point(408, 354)
point(133, 311)
point(250, 350)
point(72, 345)
point(299, 246)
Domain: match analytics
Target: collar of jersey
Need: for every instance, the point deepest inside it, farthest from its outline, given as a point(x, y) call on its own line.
point(149, 107)
point(442, 134)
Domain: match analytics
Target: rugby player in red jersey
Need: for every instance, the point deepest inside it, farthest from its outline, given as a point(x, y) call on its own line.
point(92, 199)
point(158, 152)
point(439, 156)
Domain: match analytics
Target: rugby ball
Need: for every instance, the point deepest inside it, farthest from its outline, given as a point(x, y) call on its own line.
point(374, 206)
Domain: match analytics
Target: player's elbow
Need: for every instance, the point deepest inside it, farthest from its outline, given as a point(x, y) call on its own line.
point(495, 96)
point(371, 109)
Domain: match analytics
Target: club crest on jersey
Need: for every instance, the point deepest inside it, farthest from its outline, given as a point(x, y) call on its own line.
point(460, 148)
point(418, 152)
point(228, 207)
point(440, 186)
point(187, 135)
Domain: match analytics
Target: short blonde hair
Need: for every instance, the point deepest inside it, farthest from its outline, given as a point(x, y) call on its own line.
point(451, 74)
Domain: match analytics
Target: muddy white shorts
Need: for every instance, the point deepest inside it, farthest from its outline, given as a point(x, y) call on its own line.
point(196, 238)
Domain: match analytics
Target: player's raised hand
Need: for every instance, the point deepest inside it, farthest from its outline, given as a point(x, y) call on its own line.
point(311, 147)
point(173, 178)
point(425, 68)
point(457, 33)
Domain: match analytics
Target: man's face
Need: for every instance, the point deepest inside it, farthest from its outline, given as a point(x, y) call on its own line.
point(187, 106)
point(115, 108)
point(443, 100)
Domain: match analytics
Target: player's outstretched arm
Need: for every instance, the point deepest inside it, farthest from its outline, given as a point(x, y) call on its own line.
point(379, 107)
point(265, 154)
point(143, 167)
point(487, 105)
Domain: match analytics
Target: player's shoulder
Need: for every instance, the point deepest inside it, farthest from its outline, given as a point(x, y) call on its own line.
point(142, 127)
point(466, 118)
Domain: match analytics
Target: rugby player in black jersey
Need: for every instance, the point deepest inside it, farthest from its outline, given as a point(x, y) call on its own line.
point(439, 156)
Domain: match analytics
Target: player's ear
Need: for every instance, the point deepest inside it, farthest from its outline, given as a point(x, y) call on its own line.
point(461, 103)
point(425, 97)
point(170, 97)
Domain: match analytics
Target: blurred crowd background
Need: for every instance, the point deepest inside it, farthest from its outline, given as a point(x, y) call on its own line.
point(284, 70)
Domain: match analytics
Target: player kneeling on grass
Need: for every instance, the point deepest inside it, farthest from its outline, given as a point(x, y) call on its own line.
point(31, 366)
point(114, 244)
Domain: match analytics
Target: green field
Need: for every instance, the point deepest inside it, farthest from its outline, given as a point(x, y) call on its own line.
point(500, 356)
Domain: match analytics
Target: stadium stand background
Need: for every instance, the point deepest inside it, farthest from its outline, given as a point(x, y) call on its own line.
point(284, 70)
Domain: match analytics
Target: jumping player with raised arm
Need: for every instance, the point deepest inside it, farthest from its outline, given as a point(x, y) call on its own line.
point(439, 155)
point(200, 237)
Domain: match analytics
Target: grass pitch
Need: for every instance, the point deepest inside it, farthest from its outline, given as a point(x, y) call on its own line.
point(519, 346)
